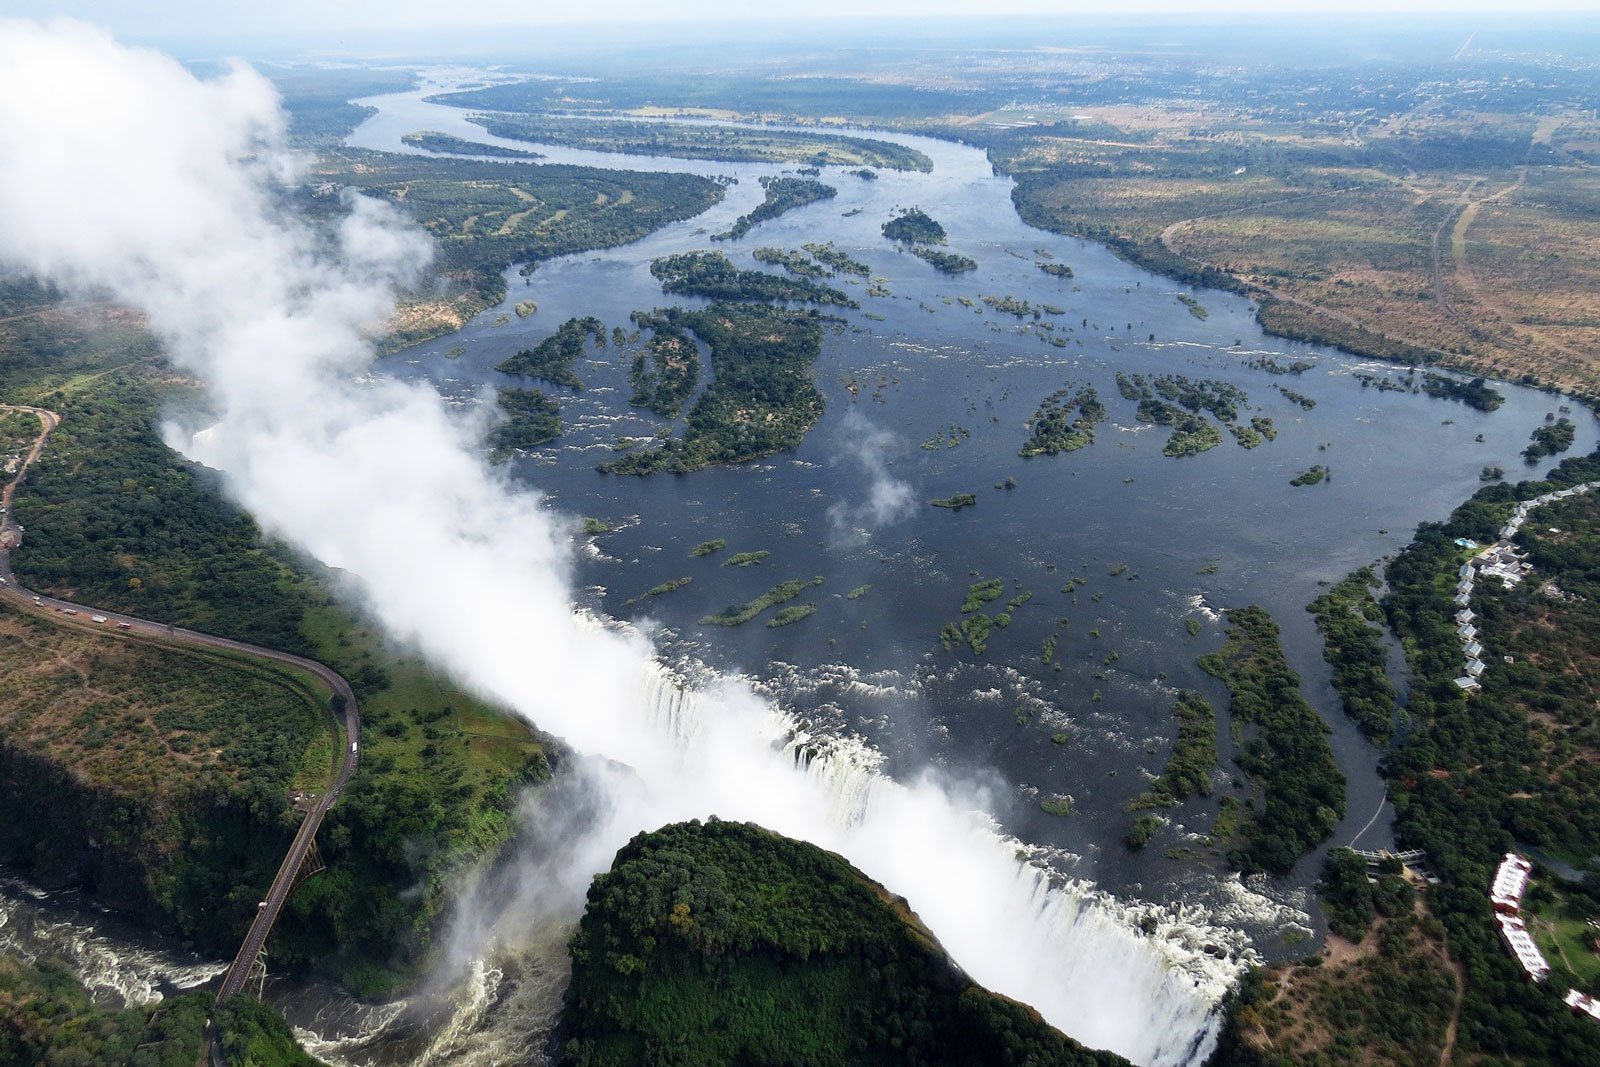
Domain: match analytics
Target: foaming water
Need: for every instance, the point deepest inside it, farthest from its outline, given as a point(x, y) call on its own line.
point(119, 967)
point(1141, 980)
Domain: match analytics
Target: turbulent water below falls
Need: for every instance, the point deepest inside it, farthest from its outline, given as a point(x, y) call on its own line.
point(925, 768)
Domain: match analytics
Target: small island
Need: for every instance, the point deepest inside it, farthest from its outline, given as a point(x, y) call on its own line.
point(914, 226)
point(1310, 477)
point(711, 275)
point(449, 144)
point(783, 194)
point(552, 358)
point(532, 419)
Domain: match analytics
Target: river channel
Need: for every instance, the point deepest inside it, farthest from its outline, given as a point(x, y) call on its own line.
point(928, 393)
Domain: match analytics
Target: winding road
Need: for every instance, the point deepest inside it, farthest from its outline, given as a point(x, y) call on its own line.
point(87, 617)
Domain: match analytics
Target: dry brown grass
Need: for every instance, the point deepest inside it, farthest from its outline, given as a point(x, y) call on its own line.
point(1492, 268)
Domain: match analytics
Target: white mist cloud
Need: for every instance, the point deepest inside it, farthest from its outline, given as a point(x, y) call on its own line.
point(888, 499)
point(121, 174)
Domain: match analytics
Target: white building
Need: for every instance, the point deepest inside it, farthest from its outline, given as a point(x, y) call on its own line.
point(1510, 882)
point(1522, 946)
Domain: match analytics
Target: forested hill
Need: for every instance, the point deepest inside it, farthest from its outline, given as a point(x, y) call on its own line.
point(723, 943)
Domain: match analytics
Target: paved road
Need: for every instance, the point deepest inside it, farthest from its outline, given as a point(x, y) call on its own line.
point(86, 617)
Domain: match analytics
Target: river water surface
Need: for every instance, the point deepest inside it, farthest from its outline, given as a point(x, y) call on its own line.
point(1159, 543)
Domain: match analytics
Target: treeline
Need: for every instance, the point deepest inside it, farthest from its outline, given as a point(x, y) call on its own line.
point(1353, 647)
point(761, 398)
point(723, 944)
point(1281, 318)
point(433, 141)
point(782, 194)
point(1037, 210)
point(1300, 790)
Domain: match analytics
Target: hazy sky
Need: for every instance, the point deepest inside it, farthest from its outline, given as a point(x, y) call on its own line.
point(161, 17)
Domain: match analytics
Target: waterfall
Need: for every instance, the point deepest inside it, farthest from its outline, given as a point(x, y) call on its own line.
point(1141, 980)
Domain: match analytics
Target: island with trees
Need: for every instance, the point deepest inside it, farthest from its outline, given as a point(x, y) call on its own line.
point(733, 144)
point(712, 275)
point(1299, 788)
point(450, 144)
point(782, 195)
point(761, 398)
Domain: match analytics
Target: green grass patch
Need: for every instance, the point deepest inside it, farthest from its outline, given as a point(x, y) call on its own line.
point(739, 614)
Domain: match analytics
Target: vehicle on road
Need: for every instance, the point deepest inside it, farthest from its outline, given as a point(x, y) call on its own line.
point(98, 618)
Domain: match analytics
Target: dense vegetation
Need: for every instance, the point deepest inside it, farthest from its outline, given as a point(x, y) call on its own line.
point(761, 398)
point(945, 262)
point(1549, 440)
point(837, 261)
point(665, 376)
point(531, 419)
point(723, 944)
point(1313, 475)
point(115, 519)
point(914, 226)
point(782, 194)
point(1194, 756)
point(1064, 422)
point(1300, 791)
point(1511, 764)
point(551, 359)
point(448, 143)
point(1175, 401)
point(1475, 394)
point(47, 1017)
point(732, 144)
point(1352, 899)
point(795, 263)
point(1355, 650)
point(711, 275)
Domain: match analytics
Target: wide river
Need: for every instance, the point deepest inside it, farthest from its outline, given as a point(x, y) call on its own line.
point(929, 393)
point(1189, 536)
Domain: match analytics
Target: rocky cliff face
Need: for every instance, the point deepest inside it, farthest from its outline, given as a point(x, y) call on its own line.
point(179, 866)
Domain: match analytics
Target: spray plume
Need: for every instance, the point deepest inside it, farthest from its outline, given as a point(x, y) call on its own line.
point(121, 174)
point(888, 499)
